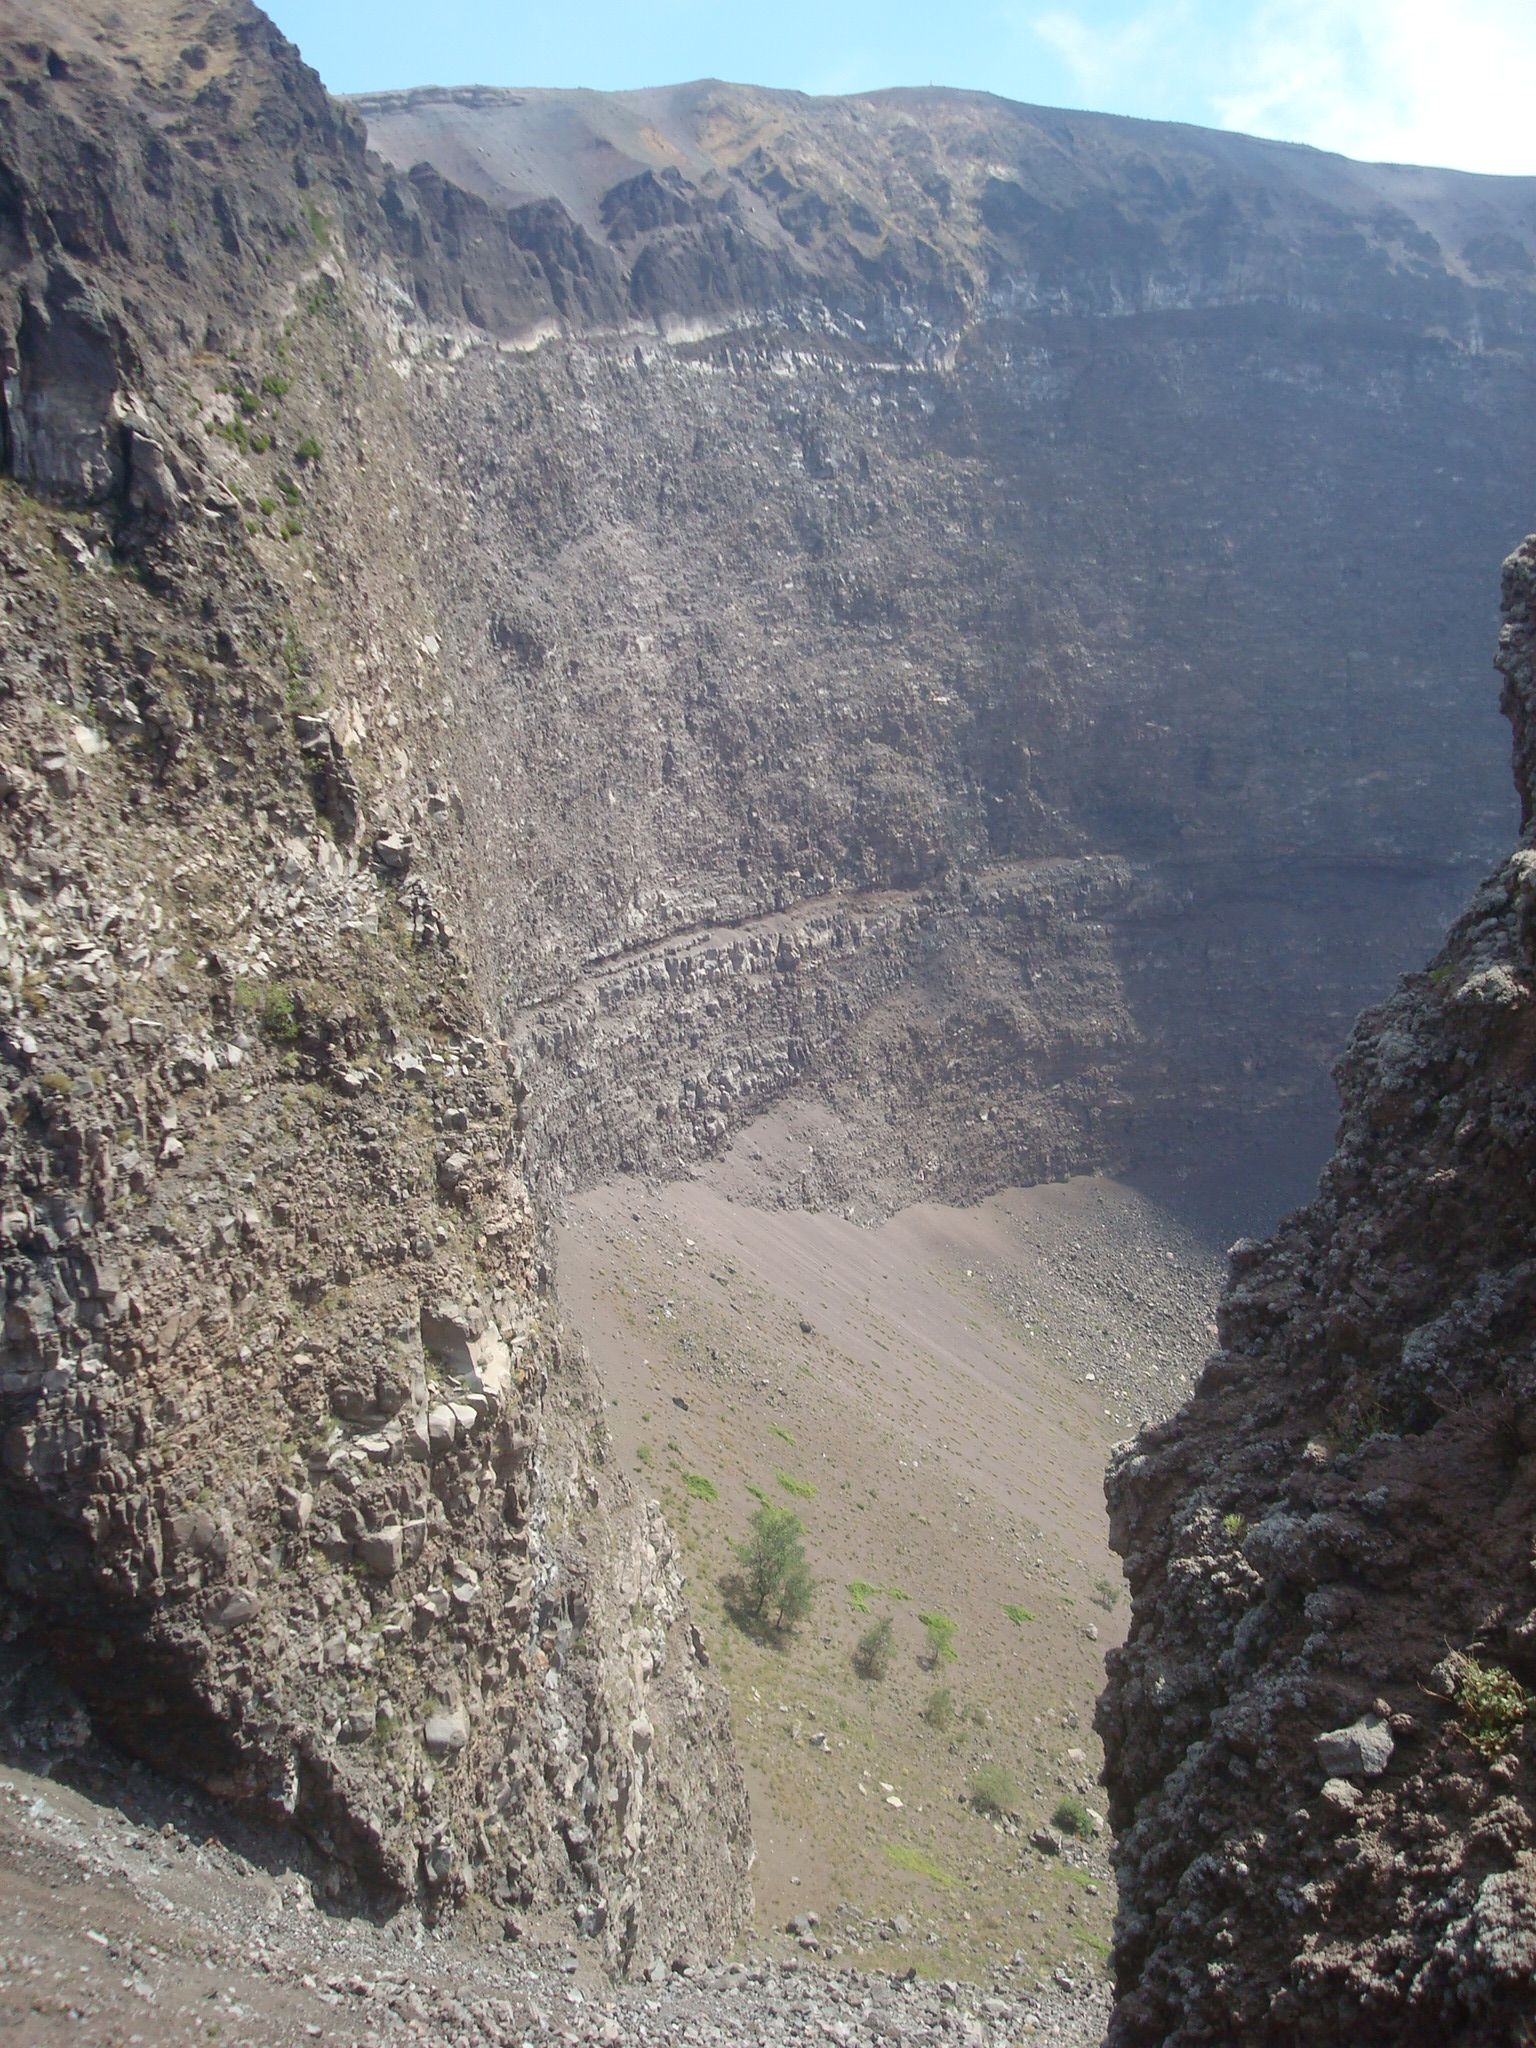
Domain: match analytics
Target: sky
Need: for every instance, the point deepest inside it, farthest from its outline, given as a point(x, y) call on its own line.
point(1407, 81)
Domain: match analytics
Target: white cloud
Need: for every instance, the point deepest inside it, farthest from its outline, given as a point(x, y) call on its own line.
point(1403, 81)
point(1147, 48)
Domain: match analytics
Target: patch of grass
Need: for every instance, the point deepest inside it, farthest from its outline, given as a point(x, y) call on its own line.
point(1106, 1594)
point(319, 226)
point(699, 1487)
point(307, 449)
point(276, 387)
point(1234, 1526)
point(994, 1791)
point(1494, 1706)
point(940, 1631)
point(802, 1489)
point(860, 1593)
point(58, 1085)
point(1071, 1818)
point(273, 1007)
point(1016, 1614)
point(919, 1863)
point(782, 1434)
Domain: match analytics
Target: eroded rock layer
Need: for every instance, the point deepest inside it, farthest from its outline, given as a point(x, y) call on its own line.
point(1010, 663)
point(302, 1497)
point(1319, 1736)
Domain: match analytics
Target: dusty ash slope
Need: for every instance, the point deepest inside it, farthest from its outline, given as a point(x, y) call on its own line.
point(1340, 1518)
point(1017, 657)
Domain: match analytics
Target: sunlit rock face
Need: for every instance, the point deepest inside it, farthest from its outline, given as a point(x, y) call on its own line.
point(1014, 659)
point(1317, 1737)
point(527, 644)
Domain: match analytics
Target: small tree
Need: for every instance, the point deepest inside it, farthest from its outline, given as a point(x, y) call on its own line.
point(939, 1708)
point(774, 1566)
point(940, 1631)
point(872, 1655)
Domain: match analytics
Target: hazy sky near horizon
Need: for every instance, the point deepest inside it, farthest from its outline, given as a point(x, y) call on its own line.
point(1410, 81)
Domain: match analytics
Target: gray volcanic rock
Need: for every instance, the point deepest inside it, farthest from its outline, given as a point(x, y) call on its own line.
point(959, 610)
point(1348, 1498)
point(299, 1493)
point(723, 200)
point(1015, 669)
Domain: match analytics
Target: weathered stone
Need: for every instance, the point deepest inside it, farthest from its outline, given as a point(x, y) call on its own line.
point(381, 1550)
point(1362, 1750)
point(445, 1733)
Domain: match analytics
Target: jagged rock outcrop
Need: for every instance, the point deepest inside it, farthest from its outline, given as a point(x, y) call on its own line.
point(1321, 1735)
point(302, 1493)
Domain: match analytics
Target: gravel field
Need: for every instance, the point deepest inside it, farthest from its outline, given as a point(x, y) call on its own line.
point(132, 1923)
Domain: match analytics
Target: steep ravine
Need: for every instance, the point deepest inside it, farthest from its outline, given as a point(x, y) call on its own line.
point(1320, 1738)
point(959, 614)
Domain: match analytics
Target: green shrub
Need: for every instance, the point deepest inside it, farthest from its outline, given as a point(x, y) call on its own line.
point(1492, 1703)
point(279, 1018)
point(307, 449)
point(1071, 1818)
point(776, 1575)
point(939, 1708)
point(1018, 1615)
point(940, 1631)
point(919, 1863)
point(700, 1487)
point(802, 1489)
point(873, 1652)
point(994, 1791)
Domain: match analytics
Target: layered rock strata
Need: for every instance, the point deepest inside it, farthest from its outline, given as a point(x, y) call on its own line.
point(301, 1492)
point(501, 680)
point(1321, 1735)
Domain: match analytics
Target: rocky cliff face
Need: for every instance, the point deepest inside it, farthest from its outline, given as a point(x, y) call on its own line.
point(512, 663)
point(965, 672)
point(1319, 1736)
point(303, 1496)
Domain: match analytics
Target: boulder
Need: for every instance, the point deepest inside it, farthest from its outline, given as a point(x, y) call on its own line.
point(1362, 1750)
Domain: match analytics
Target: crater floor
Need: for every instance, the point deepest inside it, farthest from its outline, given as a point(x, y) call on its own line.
point(935, 1396)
